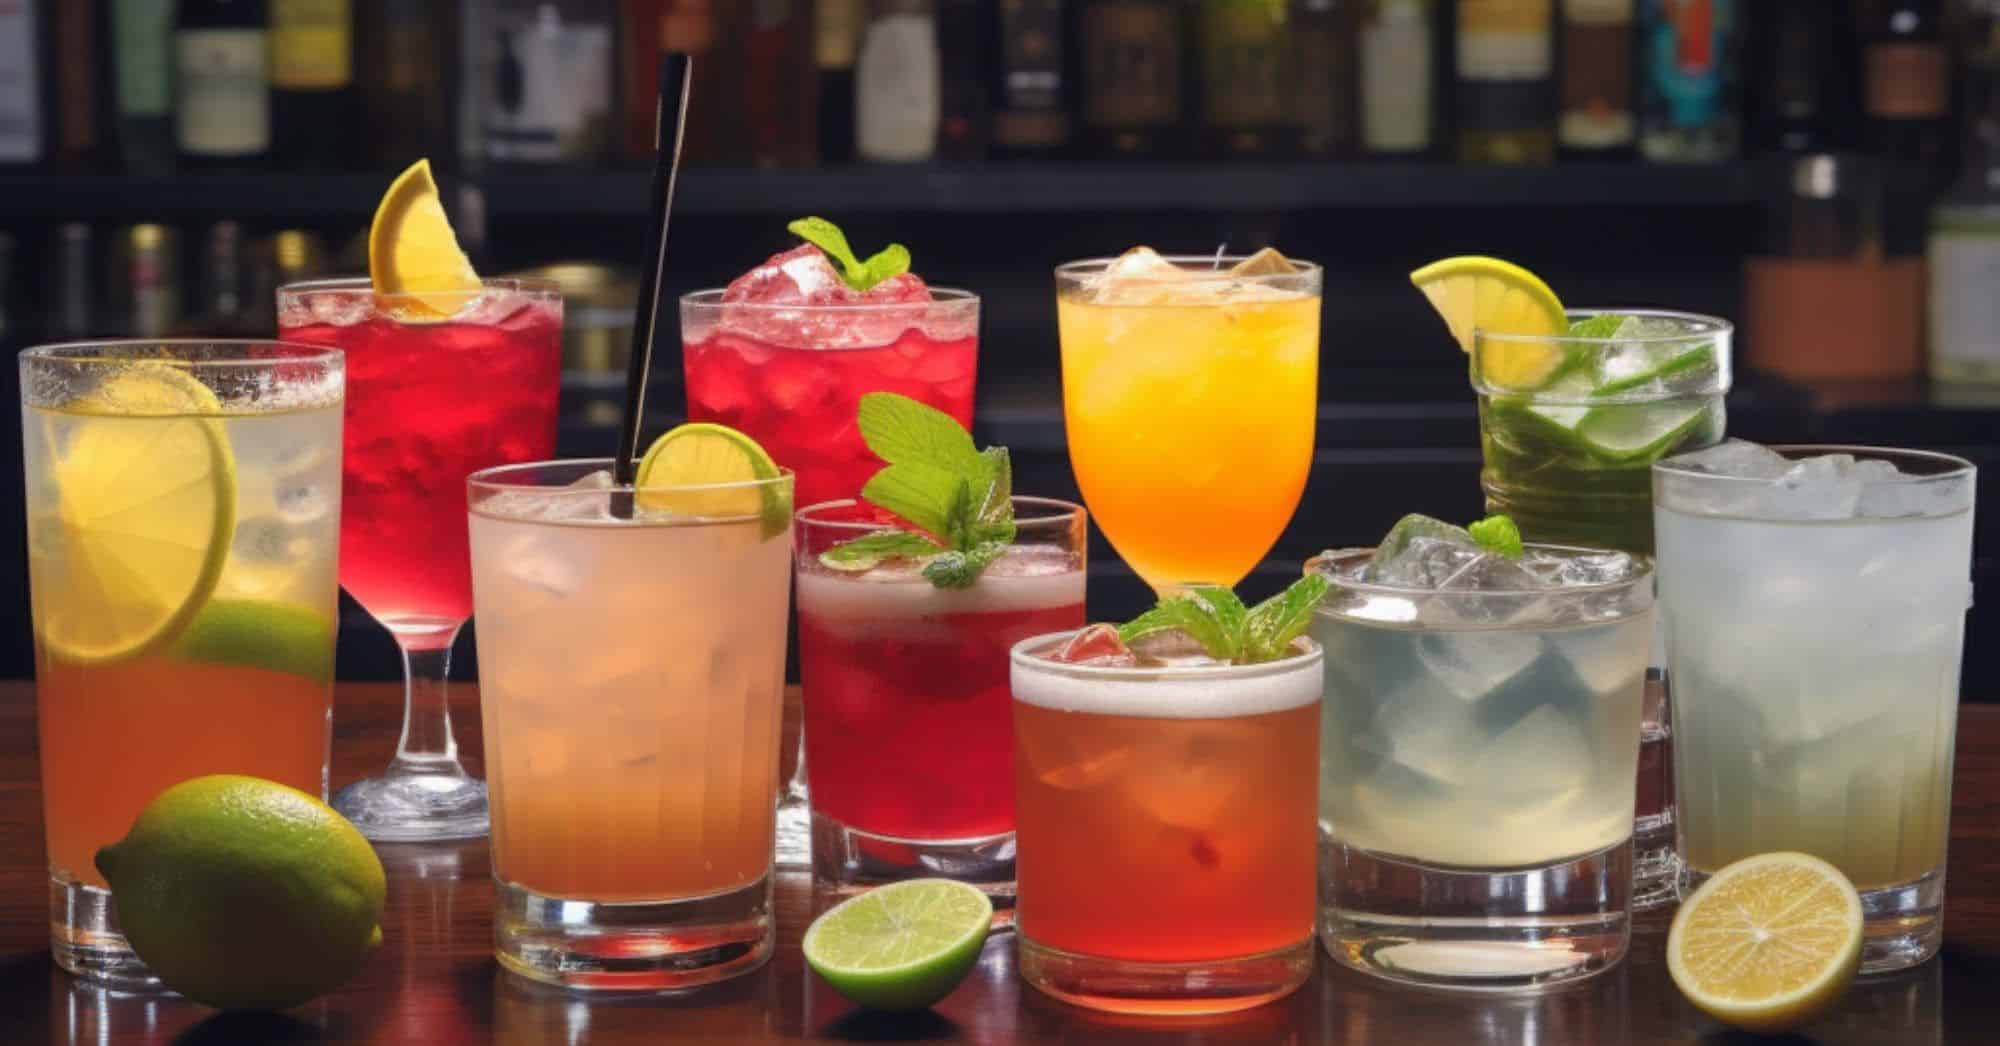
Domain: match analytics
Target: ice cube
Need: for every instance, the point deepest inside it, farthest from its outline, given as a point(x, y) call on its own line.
point(1097, 645)
point(1420, 729)
point(1172, 647)
point(539, 564)
point(1471, 665)
point(301, 501)
point(1267, 262)
point(800, 276)
point(1559, 569)
point(1542, 762)
point(269, 539)
point(1736, 457)
point(1140, 276)
point(1822, 487)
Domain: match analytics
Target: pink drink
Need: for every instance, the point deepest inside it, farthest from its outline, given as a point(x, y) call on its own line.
point(909, 729)
point(427, 405)
point(787, 351)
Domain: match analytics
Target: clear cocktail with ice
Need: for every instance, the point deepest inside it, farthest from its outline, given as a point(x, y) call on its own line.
point(1815, 602)
point(1480, 744)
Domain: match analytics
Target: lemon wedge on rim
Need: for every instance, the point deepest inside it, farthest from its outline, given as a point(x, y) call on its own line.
point(1476, 293)
point(413, 252)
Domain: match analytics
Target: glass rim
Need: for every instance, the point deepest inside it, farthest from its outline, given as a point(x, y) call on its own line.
point(1061, 512)
point(951, 299)
point(1020, 655)
point(1084, 267)
point(1954, 467)
point(494, 480)
point(1323, 563)
point(533, 286)
point(1701, 325)
point(91, 352)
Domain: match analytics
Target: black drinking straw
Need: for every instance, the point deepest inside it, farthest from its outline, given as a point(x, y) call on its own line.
point(670, 120)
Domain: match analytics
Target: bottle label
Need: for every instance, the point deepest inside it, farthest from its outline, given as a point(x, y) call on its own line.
point(836, 33)
point(1131, 65)
point(1504, 40)
point(1907, 80)
point(1031, 48)
point(1596, 74)
point(1244, 56)
point(550, 99)
point(20, 91)
point(312, 44)
point(897, 89)
point(224, 107)
point(1683, 57)
point(140, 30)
point(1396, 80)
point(1965, 313)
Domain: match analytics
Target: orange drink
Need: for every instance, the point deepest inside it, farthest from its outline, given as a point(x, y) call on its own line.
point(1189, 384)
point(183, 503)
point(1165, 820)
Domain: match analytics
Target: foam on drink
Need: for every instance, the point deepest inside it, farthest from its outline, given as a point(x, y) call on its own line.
point(1184, 692)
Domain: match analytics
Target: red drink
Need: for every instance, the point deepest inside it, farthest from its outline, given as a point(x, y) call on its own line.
point(428, 404)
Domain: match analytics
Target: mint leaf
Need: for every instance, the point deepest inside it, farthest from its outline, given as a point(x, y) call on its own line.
point(901, 430)
point(869, 549)
point(960, 569)
point(936, 479)
point(1221, 604)
point(1498, 535)
point(922, 494)
point(890, 261)
point(1277, 621)
point(1186, 615)
point(1602, 325)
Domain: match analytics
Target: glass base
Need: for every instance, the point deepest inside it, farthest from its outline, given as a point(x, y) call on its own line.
point(416, 807)
point(85, 938)
point(1655, 865)
point(1187, 988)
point(1475, 929)
point(1902, 925)
point(847, 861)
point(645, 946)
point(794, 840)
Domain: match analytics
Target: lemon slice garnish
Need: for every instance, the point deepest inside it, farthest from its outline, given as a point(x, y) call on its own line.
point(412, 250)
point(711, 471)
point(1472, 292)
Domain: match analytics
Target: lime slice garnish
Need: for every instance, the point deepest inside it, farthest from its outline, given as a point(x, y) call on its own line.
point(900, 947)
point(145, 491)
point(1638, 431)
point(1627, 371)
point(1473, 292)
point(281, 637)
point(413, 251)
point(712, 471)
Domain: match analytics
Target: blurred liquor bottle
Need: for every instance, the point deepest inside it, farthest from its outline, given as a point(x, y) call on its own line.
point(1130, 60)
point(1805, 96)
point(1596, 120)
point(962, 117)
point(21, 88)
point(143, 84)
point(1398, 42)
point(1690, 80)
point(898, 88)
point(778, 94)
point(1505, 83)
point(145, 287)
point(716, 133)
point(836, 38)
point(1906, 112)
point(1029, 92)
point(1325, 34)
point(545, 77)
point(222, 103)
point(312, 84)
point(1964, 250)
point(222, 306)
point(1246, 77)
point(80, 110)
point(71, 292)
point(405, 50)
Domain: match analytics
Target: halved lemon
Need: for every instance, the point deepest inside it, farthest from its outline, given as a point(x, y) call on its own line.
point(1473, 292)
point(145, 509)
point(413, 251)
point(711, 471)
point(1769, 943)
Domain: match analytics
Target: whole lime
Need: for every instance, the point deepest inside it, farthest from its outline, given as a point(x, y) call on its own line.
point(242, 893)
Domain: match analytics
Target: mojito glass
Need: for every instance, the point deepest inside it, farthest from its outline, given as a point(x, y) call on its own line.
point(1190, 385)
point(183, 504)
point(429, 402)
point(1815, 600)
point(631, 673)
point(1480, 747)
point(908, 725)
point(1165, 820)
point(1567, 458)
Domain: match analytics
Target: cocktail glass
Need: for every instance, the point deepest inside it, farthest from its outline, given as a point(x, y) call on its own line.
point(632, 672)
point(1198, 392)
point(1480, 756)
point(792, 376)
point(1568, 460)
point(909, 735)
point(1814, 629)
point(429, 402)
point(183, 504)
point(1165, 820)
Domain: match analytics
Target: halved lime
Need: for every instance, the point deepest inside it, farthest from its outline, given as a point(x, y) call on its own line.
point(1474, 292)
point(1637, 431)
point(145, 508)
point(903, 946)
point(254, 633)
point(711, 471)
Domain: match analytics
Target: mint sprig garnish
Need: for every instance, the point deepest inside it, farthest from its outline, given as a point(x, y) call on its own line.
point(893, 260)
point(1498, 535)
point(959, 496)
point(1214, 617)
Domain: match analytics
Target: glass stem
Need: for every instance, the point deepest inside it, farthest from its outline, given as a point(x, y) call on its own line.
point(427, 746)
